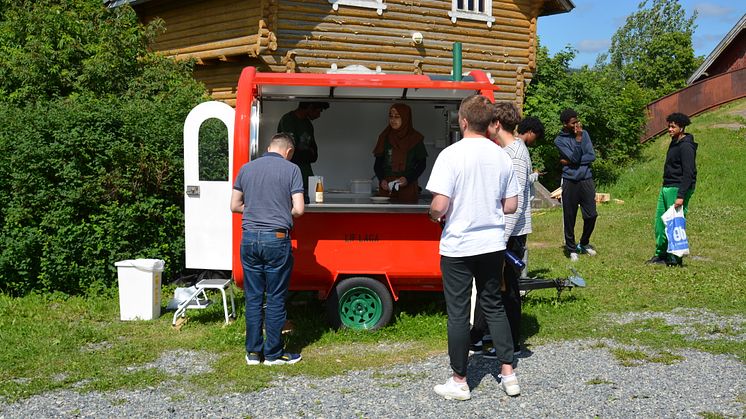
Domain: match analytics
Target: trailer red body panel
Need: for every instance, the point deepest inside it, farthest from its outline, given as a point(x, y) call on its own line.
point(397, 245)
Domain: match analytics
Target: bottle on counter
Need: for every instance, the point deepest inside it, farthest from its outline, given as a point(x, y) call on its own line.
point(319, 192)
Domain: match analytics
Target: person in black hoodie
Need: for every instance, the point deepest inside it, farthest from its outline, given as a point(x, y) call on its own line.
point(679, 180)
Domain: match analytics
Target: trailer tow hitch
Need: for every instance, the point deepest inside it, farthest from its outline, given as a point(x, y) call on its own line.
point(526, 285)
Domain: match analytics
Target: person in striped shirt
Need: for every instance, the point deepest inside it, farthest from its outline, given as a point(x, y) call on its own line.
point(518, 224)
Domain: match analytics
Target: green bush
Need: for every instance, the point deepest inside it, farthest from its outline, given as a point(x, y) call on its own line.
point(92, 181)
point(91, 148)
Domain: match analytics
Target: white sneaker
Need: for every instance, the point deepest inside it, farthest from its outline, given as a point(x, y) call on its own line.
point(590, 250)
point(510, 385)
point(452, 390)
point(573, 257)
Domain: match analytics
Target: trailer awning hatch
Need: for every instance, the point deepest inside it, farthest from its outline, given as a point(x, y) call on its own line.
point(332, 92)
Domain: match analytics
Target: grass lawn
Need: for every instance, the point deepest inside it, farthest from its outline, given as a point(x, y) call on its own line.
point(55, 341)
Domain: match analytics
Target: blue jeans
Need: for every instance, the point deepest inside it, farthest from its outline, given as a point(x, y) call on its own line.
point(267, 261)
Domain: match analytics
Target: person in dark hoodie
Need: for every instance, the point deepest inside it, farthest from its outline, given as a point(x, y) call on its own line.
point(576, 155)
point(679, 179)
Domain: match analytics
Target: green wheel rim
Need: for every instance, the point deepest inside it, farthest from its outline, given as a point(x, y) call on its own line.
point(360, 308)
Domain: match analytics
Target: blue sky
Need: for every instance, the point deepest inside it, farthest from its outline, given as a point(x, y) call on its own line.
point(589, 27)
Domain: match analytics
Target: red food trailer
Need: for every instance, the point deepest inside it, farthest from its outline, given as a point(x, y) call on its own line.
point(356, 252)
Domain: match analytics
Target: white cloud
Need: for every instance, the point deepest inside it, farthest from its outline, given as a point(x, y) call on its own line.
point(593, 45)
point(712, 10)
point(703, 44)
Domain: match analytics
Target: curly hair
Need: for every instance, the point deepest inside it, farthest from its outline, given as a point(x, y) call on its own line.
point(567, 115)
point(678, 118)
point(533, 124)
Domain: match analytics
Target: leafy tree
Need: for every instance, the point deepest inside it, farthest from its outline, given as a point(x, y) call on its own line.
point(91, 154)
point(60, 47)
point(610, 109)
point(654, 47)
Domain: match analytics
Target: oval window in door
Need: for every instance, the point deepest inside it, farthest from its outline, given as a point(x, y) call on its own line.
point(213, 150)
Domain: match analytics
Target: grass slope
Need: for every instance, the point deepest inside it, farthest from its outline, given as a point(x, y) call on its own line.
point(53, 341)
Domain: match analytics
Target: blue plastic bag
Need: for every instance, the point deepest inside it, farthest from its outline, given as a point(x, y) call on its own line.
point(678, 243)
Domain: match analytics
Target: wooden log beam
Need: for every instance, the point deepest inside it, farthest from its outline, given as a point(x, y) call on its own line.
point(226, 43)
point(216, 53)
point(331, 41)
point(446, 33)
point(201, 38)
point(316, 31)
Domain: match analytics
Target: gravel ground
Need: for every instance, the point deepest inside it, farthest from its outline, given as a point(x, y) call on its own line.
point(568, 379)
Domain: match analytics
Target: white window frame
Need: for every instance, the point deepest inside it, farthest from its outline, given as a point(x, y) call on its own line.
point(368, 4)
point(461, 13)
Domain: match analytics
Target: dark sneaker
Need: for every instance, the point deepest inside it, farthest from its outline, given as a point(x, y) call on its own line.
point(656, 260)
point(286, 358)
point(588, 249)
point(490, 354)
point(253, 358)
point(674, 261)
point(475, 348)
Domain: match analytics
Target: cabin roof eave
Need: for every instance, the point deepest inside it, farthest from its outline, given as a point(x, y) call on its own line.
point(721, 46)
point(554, 7)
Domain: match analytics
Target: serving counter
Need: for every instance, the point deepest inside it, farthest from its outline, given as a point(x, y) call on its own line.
point(348, 202)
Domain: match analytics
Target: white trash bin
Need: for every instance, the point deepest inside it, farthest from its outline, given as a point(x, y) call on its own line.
point(139, 288)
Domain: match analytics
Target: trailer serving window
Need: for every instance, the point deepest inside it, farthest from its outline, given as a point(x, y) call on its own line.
point(347, 131)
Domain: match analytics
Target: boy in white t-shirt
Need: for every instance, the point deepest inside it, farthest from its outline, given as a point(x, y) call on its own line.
point(473, 186)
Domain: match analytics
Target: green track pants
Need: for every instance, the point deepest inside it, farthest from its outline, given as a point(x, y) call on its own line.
point(666, 198)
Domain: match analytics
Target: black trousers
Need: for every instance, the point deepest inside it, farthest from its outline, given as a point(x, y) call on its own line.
point(457, 284)
point(511, 296)
point(578, 193)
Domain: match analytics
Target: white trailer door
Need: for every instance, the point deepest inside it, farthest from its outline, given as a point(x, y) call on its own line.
point(207, 214)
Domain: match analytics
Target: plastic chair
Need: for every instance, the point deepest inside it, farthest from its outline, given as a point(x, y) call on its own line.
point(199, 300)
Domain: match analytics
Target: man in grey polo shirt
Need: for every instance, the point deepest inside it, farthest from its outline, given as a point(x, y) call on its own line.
point(268, 192)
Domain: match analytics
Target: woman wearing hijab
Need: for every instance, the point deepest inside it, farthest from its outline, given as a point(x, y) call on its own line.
point(400, 156)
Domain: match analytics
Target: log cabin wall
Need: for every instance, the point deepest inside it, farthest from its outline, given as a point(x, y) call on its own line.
point(223, 36)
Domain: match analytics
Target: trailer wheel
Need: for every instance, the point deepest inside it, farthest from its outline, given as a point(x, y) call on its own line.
point(360, 303)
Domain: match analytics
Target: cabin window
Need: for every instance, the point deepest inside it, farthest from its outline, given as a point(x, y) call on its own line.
point(368, 4)
point(472, 10)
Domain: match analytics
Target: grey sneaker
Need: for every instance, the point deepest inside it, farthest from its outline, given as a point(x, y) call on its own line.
point(510, 385)
point(253, 358)
point(452, 390)
point(573, 257)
